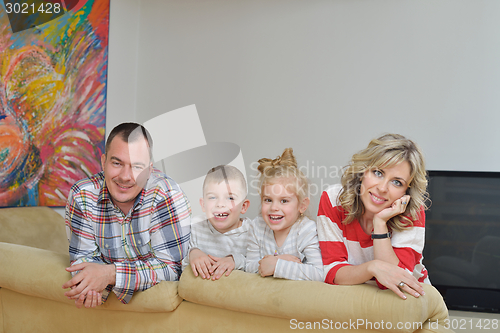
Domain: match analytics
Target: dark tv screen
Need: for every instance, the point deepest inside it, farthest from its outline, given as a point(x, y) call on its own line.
point(462, 247)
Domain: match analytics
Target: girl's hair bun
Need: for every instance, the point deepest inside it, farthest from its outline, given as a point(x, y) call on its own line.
point(284, 167)
point(287, 159)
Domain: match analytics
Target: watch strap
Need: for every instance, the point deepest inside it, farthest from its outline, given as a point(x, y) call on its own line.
point(381, 236)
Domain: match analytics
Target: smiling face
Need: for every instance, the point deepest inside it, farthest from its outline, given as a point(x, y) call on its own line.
point(281, 207)
point(126, 167)
point(223, 203)
point(381, 187)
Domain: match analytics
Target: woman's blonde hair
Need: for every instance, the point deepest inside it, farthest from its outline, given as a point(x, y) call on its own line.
point(284, 167)
point(385, 152)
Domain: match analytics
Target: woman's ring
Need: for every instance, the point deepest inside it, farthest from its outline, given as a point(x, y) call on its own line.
point(401, 284)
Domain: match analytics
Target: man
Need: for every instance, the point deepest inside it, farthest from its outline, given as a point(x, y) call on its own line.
point(128, 226)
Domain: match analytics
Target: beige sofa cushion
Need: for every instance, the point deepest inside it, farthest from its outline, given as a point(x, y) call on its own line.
point(41, 273)
point(39, 227)
point(308, 301)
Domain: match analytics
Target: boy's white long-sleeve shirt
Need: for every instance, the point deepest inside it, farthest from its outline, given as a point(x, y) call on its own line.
point(207, 239)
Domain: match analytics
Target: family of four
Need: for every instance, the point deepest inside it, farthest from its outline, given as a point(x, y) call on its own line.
point(129, 225)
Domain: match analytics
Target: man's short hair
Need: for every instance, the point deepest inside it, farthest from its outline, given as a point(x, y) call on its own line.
point(225, 173)
point(130, 132)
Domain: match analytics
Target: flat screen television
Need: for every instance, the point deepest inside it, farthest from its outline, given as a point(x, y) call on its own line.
point(462, 247)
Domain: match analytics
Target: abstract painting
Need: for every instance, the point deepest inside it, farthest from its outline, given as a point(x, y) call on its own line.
point(53, 78)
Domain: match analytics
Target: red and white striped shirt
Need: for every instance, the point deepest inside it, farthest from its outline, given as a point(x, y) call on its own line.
point(347, 244)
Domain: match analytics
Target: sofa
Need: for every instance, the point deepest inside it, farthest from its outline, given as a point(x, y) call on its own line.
point(34, 253)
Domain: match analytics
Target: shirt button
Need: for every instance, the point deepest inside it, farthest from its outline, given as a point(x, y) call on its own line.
point(139, 242)
point(106, 246)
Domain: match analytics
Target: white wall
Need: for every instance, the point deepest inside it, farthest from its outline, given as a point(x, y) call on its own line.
point(321, 76)
point(122, 62)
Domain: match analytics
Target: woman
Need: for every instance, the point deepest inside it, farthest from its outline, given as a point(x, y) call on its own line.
point(372, 226)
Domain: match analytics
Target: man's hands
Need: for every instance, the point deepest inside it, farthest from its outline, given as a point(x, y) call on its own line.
point(91, 300)
point(267, 265)
point(210, 267)
point(87, 286)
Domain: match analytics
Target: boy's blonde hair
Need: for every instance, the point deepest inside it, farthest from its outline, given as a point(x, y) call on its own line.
point(385, 152)
point(283, 167)
point(225, 173)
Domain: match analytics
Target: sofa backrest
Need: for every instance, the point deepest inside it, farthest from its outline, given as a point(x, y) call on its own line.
point(39, 227)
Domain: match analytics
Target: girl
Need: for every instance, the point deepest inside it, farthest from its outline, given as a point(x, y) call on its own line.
point(282, 241)
point(372, 226)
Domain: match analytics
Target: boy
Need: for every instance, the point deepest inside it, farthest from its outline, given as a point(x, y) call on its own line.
point(218, 244)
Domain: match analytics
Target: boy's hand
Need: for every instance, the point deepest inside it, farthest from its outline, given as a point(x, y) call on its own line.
point(221, 265)
point(200, 263)
point(267, 265)
point(289, 257)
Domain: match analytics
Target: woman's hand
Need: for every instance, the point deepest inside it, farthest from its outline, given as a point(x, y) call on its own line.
point(391, 276)
point(398, 207)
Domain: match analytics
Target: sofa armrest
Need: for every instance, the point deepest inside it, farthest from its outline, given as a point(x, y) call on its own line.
point(310, 301)
point(41, 273)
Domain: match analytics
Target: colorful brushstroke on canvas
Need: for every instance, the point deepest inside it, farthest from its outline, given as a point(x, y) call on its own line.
point(52, 104)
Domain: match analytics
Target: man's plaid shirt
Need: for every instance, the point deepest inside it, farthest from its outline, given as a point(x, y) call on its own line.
point(146, 246)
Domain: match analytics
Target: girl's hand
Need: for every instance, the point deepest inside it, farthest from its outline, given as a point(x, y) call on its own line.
point(391, 276)
point(289, 257)
point(398, 207)
point(267, 265)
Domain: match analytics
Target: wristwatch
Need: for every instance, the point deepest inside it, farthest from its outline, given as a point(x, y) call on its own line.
point(381, 236)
